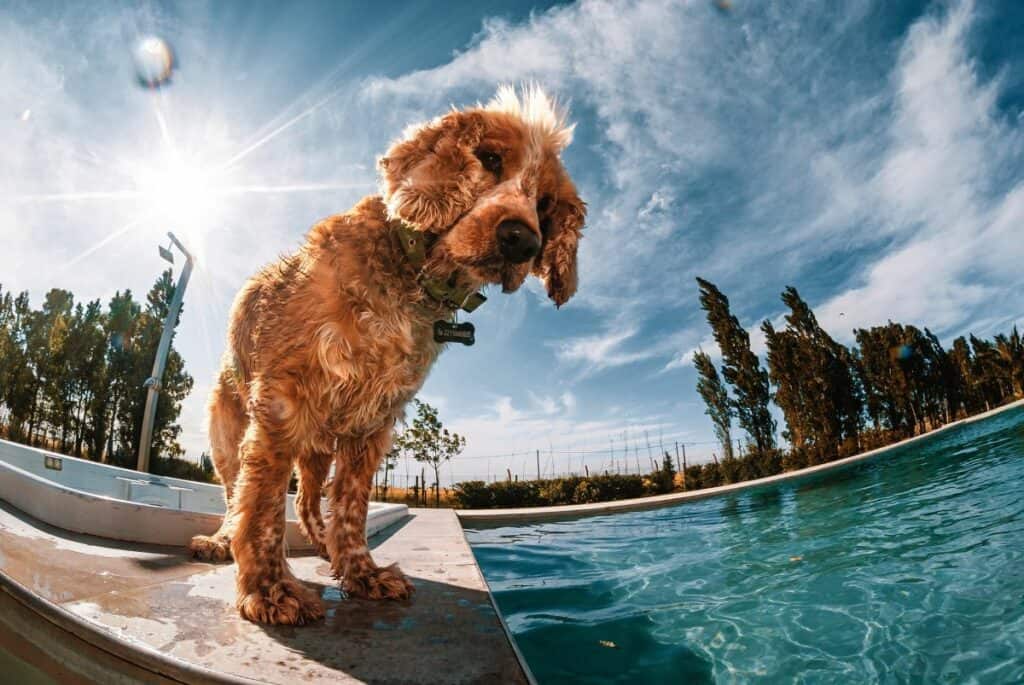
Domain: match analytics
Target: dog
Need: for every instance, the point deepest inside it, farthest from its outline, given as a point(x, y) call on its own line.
point(326, 346)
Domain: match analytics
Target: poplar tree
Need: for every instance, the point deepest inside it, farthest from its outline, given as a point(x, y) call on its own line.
point(815, 384)
point(988, 370)
point(960, 362)
point(719, 407)
point(1010, 349)
point(740, 368)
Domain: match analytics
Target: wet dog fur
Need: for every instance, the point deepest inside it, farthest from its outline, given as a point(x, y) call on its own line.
point(326, 346)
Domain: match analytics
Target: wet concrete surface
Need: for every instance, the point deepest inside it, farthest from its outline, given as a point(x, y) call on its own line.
point(160, 598)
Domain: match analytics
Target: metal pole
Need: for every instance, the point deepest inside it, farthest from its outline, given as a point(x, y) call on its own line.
point(538, 464)
point(153, 382)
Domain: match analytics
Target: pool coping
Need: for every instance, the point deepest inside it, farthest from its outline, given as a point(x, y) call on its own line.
point(523, 664)
point(57, 619)
point(525, 514)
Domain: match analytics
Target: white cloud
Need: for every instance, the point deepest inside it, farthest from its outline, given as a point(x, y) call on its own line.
point(505, 413)
point(568, 402)
point(604, 350)
point(937, 187)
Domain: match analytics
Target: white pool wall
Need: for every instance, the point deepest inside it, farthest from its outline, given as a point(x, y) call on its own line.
point(112, 502)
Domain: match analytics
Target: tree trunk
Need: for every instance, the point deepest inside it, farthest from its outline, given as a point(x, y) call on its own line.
point(437, 486)
point(110, 430)
point(32, 417)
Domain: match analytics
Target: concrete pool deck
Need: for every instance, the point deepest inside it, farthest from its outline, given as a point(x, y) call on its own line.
point(526, 514)
point(78, 608)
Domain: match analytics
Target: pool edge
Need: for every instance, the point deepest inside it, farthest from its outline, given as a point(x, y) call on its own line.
point(523, 665)
point(568, 511)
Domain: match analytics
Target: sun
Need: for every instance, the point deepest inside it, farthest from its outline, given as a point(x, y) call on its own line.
point(181, 194)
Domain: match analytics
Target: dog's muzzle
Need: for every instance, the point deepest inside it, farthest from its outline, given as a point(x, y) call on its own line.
point(517, 242)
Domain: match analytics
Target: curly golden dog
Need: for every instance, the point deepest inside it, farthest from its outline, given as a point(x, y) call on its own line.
point(326, 346)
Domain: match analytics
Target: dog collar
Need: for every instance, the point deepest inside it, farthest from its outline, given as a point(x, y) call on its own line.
point(414, 245)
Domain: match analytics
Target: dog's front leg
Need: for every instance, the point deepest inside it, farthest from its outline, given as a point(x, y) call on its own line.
point(355, 465)
point(267, 590)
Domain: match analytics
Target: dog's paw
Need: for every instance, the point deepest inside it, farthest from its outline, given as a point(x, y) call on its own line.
point(286, 602)
point(386, 582)
point(211, 547)
point(321, 550)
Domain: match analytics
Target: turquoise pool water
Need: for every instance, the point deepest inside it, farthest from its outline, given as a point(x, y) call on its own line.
point(909, 568)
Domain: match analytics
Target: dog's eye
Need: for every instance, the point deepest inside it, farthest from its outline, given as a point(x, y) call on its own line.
point(490, 161)
point(543, 204)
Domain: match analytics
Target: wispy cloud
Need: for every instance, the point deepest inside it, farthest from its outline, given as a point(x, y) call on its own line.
point(912, 163)
point(601, 351)
point(941, 187)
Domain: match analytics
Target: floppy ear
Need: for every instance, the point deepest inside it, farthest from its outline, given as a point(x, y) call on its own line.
point(557, 263)
point(427, 178)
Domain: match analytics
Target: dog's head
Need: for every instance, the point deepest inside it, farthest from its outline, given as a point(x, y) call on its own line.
point(489, 183)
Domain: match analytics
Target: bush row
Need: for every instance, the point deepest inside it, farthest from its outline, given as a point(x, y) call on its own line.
point(476, 494)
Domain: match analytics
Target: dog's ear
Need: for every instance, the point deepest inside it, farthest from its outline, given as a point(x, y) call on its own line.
point(427, 178)
point(556, 266)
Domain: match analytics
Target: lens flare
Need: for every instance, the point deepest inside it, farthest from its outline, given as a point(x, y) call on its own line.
point(154, 61)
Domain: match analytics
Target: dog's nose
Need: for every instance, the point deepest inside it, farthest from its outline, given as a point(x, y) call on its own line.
point(517, 242)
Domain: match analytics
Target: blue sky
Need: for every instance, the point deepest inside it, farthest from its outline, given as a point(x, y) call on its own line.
point(868, 153)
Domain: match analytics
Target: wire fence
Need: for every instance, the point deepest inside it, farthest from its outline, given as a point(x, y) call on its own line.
point(621, 457)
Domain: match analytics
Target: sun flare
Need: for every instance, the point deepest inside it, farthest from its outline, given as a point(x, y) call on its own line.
point(183, 195)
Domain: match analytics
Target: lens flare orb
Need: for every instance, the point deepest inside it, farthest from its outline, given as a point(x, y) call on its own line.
point(154, 61)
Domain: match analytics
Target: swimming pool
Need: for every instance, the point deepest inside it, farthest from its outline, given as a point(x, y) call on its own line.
point(909, 567)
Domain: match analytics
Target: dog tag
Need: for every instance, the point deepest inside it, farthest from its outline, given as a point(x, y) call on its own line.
point(446, 332)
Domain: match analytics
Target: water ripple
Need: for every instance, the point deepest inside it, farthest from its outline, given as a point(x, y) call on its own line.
point(909, 568)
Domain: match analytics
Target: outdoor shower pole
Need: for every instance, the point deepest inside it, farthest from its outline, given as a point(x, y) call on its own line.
point(153, 382)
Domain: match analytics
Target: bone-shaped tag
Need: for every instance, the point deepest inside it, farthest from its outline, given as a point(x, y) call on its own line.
point(446, 332)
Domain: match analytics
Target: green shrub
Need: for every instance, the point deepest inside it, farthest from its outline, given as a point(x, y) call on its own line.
point(662, 481)
point(560, 490)
point(473, 494)
point(571, 490)
point(181, 468)
point(586, 492)
point(523, 493)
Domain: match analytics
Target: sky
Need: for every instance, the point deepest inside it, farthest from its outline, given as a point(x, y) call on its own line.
point(866, 152)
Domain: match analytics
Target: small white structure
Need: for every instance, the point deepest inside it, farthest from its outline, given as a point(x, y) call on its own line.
point(88, 497)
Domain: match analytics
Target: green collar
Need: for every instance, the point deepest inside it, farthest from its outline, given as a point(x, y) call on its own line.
point(414, 245)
